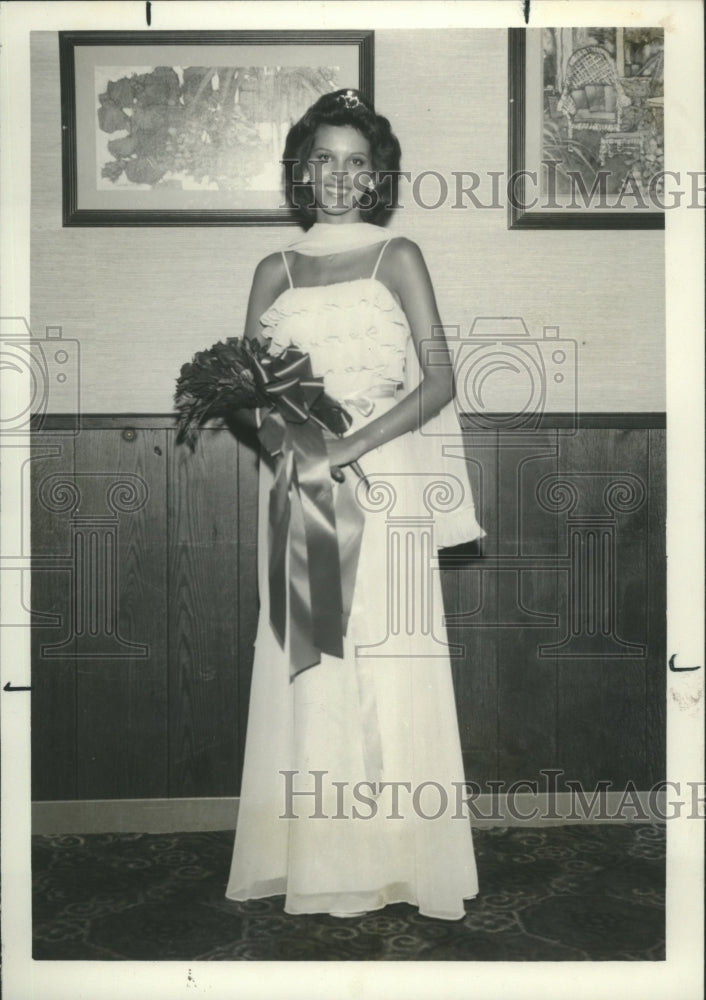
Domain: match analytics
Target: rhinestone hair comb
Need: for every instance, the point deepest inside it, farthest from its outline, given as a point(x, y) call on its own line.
point(349, 100)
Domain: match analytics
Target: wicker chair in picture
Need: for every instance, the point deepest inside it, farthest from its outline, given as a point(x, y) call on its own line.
point(592, 96)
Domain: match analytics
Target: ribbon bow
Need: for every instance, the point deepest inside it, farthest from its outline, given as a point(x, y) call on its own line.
point(288, 384)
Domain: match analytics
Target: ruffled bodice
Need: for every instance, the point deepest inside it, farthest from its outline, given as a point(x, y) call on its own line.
point(355, 332)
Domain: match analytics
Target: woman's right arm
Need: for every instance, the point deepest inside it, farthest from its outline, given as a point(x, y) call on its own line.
point(269, 280)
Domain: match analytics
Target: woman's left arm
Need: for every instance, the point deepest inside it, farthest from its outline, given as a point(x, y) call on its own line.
point(405, 273)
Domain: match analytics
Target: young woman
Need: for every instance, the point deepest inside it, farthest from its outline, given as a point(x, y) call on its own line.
point(352, 792)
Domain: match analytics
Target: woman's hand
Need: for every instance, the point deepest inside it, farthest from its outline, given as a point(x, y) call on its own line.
point(244, 418)
point(341, 452)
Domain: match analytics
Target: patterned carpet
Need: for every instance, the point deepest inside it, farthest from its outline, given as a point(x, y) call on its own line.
point(564, 893)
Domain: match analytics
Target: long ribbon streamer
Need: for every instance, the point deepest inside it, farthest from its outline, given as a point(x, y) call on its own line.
point(322, 536)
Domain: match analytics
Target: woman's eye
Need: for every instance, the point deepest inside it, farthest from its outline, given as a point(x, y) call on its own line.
point(323, 157)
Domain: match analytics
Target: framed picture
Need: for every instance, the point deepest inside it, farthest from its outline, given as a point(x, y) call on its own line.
point(586, 128)
point(187, 128)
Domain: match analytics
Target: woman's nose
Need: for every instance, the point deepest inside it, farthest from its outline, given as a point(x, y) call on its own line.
point(339, 178)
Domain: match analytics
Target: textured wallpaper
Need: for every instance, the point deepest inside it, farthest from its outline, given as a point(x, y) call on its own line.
point(140, 301)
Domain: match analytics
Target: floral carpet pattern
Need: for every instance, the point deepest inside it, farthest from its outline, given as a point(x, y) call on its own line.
point(563, 893)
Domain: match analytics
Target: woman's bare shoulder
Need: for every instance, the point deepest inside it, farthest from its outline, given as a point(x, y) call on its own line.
point(271, 268)
point(269, 279)
point(403, 259)
point(402, 245)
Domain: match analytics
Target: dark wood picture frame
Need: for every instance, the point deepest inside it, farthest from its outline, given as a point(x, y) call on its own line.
point(78, 135)
point(520, 217)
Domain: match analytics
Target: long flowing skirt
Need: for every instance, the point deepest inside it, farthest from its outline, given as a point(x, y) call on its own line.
point(319, 820)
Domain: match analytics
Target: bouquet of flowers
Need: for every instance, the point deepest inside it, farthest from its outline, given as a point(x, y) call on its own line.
point(323, 534)
point(241, 374)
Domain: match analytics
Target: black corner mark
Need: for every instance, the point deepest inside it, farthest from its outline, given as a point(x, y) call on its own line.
point(11, 687)
point(526, 10)
point(672, 658)
point(148, 12)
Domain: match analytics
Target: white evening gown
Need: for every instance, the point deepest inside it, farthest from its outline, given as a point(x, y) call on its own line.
point(341, 853)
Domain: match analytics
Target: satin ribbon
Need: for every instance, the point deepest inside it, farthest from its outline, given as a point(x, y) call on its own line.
point(320, 532)
point(364, 399)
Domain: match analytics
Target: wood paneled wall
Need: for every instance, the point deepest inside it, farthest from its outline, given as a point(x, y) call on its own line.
point(563, 619)
point(144, 594)
point(151, 700)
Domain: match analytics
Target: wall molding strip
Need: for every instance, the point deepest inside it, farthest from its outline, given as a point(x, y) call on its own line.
point(497, 421)
point(203, 814)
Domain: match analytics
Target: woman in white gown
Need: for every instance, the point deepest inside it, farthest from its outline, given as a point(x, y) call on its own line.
point(352, 790)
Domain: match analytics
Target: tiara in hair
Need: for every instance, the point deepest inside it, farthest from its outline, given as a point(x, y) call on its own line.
point(349, 100)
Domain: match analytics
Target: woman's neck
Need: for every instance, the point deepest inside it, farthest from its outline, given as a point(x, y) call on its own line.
point(322, 239)
point(349, 219)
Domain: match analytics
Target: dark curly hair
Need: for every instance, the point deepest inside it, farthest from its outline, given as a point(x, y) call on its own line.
point(343, 107)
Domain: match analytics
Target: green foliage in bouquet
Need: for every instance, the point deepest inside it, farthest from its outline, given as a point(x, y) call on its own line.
point(215, 383)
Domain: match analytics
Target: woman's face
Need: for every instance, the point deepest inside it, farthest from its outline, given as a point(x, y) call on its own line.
point(340, 166)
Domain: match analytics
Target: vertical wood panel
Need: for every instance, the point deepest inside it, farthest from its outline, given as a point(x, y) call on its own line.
point(53, 711)
point(527, 681)
point(122, 704)
point(624, 682)
point(580, 701)
point(470, 602)
point(656, 716)
point(601, 711)
point(248, 604)
point(204, 595)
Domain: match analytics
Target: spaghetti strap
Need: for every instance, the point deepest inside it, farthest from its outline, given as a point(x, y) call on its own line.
point(286, 267)
point(377, 262)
